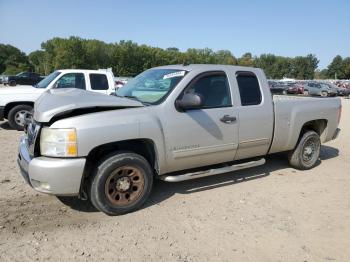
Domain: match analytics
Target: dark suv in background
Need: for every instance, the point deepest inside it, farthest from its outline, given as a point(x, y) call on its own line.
point(23, 78)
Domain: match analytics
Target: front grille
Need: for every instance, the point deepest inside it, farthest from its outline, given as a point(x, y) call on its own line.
point(33, 130)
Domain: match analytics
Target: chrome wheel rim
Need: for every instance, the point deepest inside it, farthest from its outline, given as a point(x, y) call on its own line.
point(22, 117)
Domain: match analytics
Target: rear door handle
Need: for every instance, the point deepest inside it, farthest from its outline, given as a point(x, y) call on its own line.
point(227, 119)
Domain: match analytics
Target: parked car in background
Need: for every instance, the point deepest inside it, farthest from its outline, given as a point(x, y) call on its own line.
point(332, 89)
point(277, 88)
point(2, 79)
point(294, 88)
point(342, 91)
point(319, 89)
point(16, 103)
point(23, 78)
point(120, 81)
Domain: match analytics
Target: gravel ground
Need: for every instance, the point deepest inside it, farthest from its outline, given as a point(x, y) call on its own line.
point(267, 213)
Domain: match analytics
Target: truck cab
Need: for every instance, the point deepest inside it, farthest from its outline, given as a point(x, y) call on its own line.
point(16, 103)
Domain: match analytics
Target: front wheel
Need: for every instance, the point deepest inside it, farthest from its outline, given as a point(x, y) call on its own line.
point(324, 94)
point(19, 115)
point(307, 152)
point(121, 183)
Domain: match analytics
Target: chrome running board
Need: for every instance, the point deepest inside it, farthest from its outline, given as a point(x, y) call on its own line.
point(211, 172)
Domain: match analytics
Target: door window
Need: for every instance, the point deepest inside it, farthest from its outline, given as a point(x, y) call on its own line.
point(213, 89)
point(24, 74)
point(249, 88)
point(71, 80)
point(98, 82)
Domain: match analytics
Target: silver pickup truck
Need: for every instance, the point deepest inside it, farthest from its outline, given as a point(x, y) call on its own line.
point(173, 123)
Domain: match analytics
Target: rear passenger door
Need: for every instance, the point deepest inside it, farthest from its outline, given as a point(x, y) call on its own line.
point(314, 89)
point(99, 83)
point(256, 115)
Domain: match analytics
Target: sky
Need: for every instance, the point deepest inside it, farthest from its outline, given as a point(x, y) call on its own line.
point(286, 28)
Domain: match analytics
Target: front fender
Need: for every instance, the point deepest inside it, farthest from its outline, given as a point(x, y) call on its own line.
point(106, 127)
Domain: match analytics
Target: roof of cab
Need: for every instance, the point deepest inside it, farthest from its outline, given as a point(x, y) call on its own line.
point(206, 67)
point(83, 71)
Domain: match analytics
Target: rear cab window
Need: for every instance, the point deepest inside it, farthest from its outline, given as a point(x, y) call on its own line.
point(98, 82)
point(249, 88)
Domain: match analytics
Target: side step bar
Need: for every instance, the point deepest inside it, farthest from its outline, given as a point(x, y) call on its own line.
point(211, 172)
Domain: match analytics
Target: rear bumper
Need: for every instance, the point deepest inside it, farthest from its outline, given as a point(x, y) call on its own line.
point(2, 112)
point(55, 176)
point(336, 134)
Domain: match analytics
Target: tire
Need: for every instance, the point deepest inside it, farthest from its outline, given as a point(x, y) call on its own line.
point(76, 203)
point(284, 92)
point(121, 183)
point(18, 115)
point(301, 157)
point(324, 94)
point(12, 83)
point(306, 92)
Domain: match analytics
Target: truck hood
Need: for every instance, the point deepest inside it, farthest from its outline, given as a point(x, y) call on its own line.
point(19, 89)
point(72, 101)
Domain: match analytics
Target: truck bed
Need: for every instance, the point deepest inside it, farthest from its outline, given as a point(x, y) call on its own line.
point(291, 114)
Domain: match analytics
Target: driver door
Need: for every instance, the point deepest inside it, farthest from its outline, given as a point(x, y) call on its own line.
point(204, 136)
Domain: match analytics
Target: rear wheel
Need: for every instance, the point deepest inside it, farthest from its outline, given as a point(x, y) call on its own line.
point(19, 116)
point(121, 183)
point(306, 92)
point(324, 94)
point(12, 83)
point(307, 152)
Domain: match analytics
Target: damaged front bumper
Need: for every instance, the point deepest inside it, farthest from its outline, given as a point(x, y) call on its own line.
point(57, 176)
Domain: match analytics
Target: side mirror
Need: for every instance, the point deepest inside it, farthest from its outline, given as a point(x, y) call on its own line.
point(56, 85)
point(189, 101)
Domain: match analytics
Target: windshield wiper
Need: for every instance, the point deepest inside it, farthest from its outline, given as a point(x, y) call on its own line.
point(134, 98)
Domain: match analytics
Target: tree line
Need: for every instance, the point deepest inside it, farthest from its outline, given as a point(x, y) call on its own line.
point(127, 58)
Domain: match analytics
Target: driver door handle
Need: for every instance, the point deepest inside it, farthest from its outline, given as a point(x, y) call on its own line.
point(227, 119)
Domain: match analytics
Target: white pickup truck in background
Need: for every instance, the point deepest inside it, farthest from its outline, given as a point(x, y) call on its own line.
point(16, 103)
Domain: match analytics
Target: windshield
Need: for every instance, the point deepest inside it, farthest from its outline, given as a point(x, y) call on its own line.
point(152, 86)
point(47, 80)
point(20, 74)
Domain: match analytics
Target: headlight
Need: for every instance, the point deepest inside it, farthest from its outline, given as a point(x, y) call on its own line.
point(58, 142)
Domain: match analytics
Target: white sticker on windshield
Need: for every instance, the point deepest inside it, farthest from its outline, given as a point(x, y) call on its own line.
point(175, 74)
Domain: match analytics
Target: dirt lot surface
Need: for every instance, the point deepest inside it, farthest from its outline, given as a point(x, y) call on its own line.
point(268, 213)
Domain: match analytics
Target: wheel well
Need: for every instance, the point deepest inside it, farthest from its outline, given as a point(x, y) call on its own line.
point(143, 147)
point(319, 126)
point(11, 105)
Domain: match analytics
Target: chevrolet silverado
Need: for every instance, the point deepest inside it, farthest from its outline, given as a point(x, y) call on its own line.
point(173, 123)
